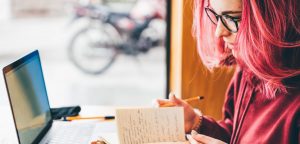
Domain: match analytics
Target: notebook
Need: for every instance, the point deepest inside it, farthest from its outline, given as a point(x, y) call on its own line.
point(30, 107)
point(151, 125)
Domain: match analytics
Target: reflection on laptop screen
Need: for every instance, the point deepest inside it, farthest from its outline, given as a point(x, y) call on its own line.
point(28, 97)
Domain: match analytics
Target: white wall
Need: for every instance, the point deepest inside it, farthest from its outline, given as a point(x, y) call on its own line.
point(5, 9)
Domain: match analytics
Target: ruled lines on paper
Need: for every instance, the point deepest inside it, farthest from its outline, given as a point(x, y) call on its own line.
point(150, 125)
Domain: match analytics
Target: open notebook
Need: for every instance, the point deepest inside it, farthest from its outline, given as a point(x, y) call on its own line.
point(151, 125)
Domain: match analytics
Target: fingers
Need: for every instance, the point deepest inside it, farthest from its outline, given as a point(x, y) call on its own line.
point(165, 102)
point(205, 139)
point(200, 137)
point(162, 102)
point(191, 140)
point(177, 101)
point(172, 101)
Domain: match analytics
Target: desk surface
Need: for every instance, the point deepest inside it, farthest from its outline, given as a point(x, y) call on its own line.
point(8, 132)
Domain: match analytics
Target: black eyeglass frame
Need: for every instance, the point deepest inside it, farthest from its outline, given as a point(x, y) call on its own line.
point(234, 19)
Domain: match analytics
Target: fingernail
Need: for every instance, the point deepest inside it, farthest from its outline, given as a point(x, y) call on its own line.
point(191, 140)
point(155, 103)
point(188, 136)
point(173, 98)
point(171, 94)
point(193, 133)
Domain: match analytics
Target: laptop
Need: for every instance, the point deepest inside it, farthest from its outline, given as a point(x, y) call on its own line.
point(30, 107)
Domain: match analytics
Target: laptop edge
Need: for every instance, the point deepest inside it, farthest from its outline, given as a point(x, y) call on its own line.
point(7, 69)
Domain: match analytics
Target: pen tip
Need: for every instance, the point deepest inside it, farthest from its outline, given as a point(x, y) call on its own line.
point(201, 97)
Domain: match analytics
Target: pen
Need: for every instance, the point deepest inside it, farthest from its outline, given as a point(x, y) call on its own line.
point(186, 100)
point(88, 118)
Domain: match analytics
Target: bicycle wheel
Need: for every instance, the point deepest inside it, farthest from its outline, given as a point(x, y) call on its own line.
point(93, 49)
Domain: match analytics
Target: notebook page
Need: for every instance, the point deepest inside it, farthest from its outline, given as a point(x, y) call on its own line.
point(150, 125)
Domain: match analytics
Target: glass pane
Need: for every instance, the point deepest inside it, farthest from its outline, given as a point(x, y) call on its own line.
point(229, 23)
point(212, 16)
point(93, 52)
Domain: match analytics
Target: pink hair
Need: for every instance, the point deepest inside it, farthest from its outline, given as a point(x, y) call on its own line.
point(267, 42)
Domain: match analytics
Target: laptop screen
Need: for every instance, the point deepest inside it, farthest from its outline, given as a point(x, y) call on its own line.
point(28, 97)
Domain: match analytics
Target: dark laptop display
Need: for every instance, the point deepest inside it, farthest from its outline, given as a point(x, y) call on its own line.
point(28, 98)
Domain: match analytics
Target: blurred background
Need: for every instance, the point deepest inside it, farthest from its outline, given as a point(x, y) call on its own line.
point(93, 52)
point(110, 52)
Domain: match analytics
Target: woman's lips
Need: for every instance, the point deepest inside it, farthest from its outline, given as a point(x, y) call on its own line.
point(231, 48)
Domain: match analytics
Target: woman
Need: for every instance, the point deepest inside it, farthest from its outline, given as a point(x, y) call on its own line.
point(260, 37)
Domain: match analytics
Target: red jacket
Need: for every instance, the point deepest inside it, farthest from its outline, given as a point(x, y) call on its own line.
point(249, 117)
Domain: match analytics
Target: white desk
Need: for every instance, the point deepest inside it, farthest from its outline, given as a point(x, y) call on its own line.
point(7, 129)
point(108, 131)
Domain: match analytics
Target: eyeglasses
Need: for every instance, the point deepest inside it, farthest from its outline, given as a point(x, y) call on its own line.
point(230, 22)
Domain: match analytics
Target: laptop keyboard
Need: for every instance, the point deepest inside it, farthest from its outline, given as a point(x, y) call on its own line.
point(69, 133)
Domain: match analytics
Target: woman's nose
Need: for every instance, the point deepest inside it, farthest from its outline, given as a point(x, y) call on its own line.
point(221, 30)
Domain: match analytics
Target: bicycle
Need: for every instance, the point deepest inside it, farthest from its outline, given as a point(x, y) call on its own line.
point(95, 47)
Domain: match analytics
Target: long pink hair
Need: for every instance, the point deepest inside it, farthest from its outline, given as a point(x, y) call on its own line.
point(267, 42)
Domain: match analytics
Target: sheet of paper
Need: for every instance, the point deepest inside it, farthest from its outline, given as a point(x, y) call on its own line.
point(106, 130)
point(150, 125)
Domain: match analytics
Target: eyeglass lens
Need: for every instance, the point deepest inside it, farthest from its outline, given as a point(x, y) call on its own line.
point(228, 22)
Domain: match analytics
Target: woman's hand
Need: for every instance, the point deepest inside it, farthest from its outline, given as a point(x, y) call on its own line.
point(189, 113)
point(196, 138)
